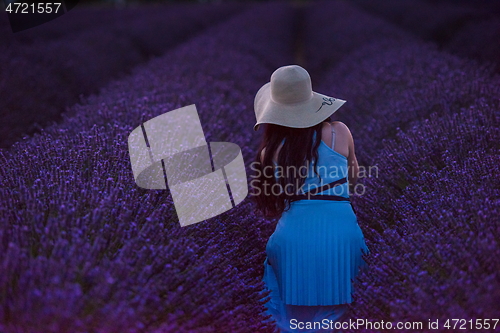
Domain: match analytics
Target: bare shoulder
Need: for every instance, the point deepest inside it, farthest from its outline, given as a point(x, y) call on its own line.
point(343, 133)
point(342, 130)
point(340, 126)
point(337, 126)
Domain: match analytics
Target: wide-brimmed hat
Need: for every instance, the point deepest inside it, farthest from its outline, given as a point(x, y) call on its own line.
point(288, 100)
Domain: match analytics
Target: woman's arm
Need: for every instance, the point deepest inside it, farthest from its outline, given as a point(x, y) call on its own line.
point(352, 162)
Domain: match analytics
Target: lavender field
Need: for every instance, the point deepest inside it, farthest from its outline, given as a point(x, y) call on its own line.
point(470, 29)
point(84, 249)
point(64, 60)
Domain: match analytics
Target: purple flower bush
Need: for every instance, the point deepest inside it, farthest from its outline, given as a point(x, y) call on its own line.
point(391, 87)
point(429, 121)
point(84, 249)
point(56, 71)
point(467, 43)
point(469, 29)
point(331, 36)
point(431, 219)
point(81, 18)
point(391, 79)
point(436, 21)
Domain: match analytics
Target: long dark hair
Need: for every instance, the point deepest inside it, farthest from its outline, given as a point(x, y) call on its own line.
point(299, 149)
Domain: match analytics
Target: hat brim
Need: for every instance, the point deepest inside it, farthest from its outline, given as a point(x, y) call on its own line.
point(298, 115)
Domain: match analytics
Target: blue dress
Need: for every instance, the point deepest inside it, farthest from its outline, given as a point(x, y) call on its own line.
point(315, 251)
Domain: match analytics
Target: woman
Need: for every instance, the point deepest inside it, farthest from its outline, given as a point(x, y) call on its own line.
point(304, 168)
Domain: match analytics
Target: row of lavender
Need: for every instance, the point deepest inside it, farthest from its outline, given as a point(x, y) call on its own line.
point(54, 64)
point(84, 249)
point(430, 123)
point(81, 18)
point(468, 29)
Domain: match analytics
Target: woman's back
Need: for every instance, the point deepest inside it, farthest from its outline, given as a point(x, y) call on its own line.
point(330, 166)
point(332, 163)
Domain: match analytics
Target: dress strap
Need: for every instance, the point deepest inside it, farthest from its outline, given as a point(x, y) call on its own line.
point(333, 137)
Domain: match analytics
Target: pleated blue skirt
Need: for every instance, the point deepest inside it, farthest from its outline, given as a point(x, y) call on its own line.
point(312, 258)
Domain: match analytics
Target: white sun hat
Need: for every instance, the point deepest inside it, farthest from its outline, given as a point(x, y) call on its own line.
point(288, 100)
